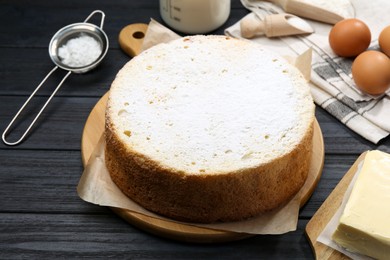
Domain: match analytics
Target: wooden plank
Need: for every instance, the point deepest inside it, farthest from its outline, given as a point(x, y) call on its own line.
point(339, 139)
point(32, 236)
point(41, 181)
point(47, 181)
point(59, 127)
point(34, 26)
point(20, 75)
point(62, 123)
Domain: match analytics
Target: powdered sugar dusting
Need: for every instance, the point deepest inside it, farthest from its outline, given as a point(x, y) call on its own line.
point(200, 109)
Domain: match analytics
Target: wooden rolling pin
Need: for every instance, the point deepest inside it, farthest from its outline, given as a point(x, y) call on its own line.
point(274, 25)
point(318, 10)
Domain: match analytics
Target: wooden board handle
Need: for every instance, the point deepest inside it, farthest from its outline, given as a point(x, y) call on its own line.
point(132, 37)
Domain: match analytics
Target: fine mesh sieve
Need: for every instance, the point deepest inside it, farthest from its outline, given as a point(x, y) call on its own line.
point(60, 38)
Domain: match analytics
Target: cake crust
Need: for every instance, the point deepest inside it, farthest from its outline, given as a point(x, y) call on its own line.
point(207, 198)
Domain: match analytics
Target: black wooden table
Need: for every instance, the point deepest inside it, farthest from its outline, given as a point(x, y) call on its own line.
point(41, 215)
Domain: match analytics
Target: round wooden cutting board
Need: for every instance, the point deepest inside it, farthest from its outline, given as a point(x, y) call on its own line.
point(93, 130)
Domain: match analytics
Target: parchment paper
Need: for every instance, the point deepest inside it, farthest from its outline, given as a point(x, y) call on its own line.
point(96, 186)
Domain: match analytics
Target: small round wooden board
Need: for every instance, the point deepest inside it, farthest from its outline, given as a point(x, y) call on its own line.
point(325, 213)
point(93, 130)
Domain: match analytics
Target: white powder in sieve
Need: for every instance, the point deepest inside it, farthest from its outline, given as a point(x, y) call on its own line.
point(80, 51)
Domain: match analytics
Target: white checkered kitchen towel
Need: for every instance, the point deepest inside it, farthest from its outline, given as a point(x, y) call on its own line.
point(332, 86)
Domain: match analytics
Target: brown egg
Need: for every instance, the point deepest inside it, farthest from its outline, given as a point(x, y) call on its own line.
point(384, 40)
point(371, 72)
point(349, 37)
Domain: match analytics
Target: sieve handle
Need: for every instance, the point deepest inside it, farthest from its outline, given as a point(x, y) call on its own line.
point(39, 113)
point(94, 12)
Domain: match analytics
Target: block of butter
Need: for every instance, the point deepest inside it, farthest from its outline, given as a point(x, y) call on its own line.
point(364, 226)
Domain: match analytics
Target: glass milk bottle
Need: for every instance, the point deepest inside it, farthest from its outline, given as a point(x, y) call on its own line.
point(195, 16)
